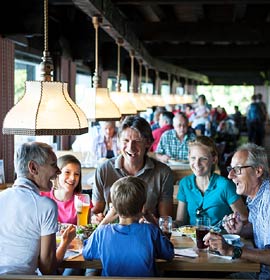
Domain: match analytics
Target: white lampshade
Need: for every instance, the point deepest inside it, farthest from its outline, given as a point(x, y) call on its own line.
point(123, 102)
point(188, 99)
point(101, 106)
point(138, 102)
point(159, 101)
point(45, 109)
point(169, 99)
point(147, 100)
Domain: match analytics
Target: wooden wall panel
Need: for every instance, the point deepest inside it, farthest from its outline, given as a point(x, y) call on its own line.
point(7, 101)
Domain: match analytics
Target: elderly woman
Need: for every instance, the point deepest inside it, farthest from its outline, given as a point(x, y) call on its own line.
point(205, 193)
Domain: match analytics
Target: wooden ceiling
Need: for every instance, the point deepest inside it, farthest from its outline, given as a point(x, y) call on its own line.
point(223, 42)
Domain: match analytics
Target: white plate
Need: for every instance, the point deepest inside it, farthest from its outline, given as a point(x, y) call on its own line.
point(177, 162)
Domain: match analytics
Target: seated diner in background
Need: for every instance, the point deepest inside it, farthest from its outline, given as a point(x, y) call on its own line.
point(135, 138)
point(205, 193)
point(104, 144)
point(173, 143)
point(249, 171)
point(28, 220)
point(165, 123)
point(128, 248)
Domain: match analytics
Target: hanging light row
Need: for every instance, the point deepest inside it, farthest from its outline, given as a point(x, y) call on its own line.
point(47, 109)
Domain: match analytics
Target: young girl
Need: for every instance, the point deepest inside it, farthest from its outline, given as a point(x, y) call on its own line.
point(67, 184)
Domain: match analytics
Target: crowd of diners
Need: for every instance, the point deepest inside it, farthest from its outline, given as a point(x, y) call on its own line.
point(134, 189)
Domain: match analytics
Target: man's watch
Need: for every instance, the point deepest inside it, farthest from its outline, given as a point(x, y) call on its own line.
point(237, 252)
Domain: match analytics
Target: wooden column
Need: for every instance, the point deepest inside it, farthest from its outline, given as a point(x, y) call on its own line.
point(7, 101)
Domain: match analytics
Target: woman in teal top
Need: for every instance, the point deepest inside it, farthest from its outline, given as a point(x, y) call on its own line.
point(205, 192)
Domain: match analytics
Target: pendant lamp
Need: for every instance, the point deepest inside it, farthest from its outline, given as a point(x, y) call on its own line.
point(170, 97)
point(135, 97)
point(101, 107)
point(149, 96)
point(45, 108)
point(157, 97)
point(120, 98)
point(143, 96)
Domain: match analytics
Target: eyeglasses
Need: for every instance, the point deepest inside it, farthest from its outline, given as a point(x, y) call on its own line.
point(237, 169)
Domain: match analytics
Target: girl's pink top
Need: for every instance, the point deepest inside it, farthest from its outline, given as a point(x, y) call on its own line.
point(66, 209)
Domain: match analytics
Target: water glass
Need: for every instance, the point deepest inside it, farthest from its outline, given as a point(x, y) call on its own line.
point(202, 228)
point(165, 224)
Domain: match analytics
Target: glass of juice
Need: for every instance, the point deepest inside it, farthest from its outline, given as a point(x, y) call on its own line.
point(82, 205)
point(202, 228)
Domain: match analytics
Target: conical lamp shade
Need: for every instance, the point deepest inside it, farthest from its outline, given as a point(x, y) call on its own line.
point(123, 102)
point(45, 109)
point(159, 101)
point(169, 99)
point(101, 106)
point(188, 99)
point(146, 100)
point(137, 102)
point(179, 99)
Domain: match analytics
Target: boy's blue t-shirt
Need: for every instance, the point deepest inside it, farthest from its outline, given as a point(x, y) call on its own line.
point(216, 201)
point(128, 250)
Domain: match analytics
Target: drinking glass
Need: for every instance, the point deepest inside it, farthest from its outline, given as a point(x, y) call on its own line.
point(165, 224)
point(202, 228)
point(82, 205)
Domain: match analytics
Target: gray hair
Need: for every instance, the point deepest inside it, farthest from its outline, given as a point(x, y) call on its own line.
point(36, 151)
point(257, 157)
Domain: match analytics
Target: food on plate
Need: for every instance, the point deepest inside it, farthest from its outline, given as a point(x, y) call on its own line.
point(85, 231)
point(188, 230)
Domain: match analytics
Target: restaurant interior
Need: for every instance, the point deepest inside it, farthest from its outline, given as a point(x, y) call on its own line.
point(139, 45)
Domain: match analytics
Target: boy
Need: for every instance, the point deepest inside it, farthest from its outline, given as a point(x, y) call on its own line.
point(128, 248)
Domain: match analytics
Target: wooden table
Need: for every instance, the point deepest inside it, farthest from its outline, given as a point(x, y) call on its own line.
point(205, 261)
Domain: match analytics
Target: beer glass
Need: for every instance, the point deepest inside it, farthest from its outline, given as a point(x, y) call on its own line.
point(82, 205)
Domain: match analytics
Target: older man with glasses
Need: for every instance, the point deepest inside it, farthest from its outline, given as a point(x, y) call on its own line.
point(249, 171)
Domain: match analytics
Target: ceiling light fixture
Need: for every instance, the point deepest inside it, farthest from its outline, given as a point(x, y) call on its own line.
point(122, 99)
point(101, 107)
point(135, 97)
point(143, 96)
point(45, 108)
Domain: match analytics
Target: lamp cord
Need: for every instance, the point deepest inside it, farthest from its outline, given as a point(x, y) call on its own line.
point(118, 84)
point(131, 87)
point(96, 78)
point(46, 66)
point(45, 25)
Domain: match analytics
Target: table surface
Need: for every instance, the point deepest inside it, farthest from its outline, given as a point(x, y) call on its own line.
point(204, 262)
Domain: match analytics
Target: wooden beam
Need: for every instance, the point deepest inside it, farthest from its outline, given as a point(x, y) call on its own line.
point(206, 32)
point(178, 2)
point(180, 51)
point(117, 27)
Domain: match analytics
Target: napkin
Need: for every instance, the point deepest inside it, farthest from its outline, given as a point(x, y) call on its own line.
point(71, 254)
point(216, 254)
point(188, 252)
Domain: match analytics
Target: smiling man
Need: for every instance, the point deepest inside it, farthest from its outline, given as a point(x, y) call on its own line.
point(135, 138)
point(28, 220)
point(250, 172)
